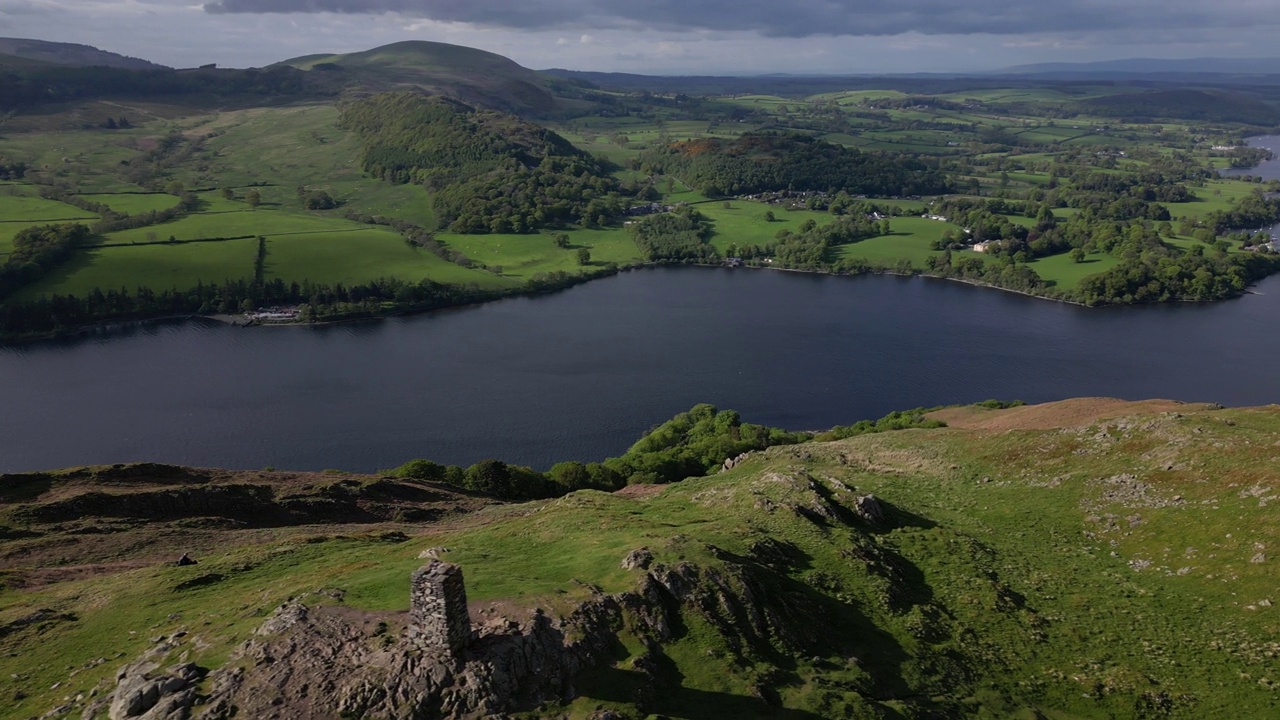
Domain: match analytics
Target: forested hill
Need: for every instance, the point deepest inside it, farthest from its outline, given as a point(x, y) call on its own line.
point(488, 171)
point(762, 162)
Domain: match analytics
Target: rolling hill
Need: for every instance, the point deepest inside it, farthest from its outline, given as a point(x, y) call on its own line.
point(71, 54)
point(473, 76)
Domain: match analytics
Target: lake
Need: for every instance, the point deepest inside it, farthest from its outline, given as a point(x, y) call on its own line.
point(1267, 170)
point(580, 374)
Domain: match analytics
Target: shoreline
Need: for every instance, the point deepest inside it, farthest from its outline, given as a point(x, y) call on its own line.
point(240, 321)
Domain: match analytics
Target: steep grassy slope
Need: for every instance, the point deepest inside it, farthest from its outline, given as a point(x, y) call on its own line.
point(1083, 559)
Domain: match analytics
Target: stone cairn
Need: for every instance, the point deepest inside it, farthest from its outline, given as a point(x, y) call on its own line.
point(438, 619)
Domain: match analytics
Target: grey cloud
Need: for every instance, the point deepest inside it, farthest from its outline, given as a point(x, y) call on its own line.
point(21, 7)
point(801, 18)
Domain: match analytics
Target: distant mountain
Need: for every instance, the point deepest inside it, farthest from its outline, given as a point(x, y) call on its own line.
point(472, 76)
point(71, 54)
point(1226, 66)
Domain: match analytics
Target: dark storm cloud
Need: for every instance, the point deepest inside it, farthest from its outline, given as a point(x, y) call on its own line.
point(799, 18)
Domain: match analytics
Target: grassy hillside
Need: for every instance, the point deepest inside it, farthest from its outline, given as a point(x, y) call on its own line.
point(1091, 558)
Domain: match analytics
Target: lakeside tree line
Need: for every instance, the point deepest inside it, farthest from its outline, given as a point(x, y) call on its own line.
point(318, 302)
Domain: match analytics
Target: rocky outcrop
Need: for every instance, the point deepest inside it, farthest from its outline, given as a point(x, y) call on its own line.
point(318, 660)
point(638, 559)
point(733, 462)
point(145, 692)
point(869, 509)
point(324, 654)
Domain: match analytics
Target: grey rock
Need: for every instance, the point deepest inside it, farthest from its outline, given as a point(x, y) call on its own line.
point(638, 559)
point(869, 509)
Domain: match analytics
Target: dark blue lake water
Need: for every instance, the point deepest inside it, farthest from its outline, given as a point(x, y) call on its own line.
point(582, 373)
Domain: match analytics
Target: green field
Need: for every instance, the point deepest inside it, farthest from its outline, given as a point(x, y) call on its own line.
point(235, 223)
point(910, 240)
point(30, 209)
point(159, 267)
point(1218, 195)
point(357, 256)
point(1063, 273)
point(523, 256)
point(743, 223)
point(134, 203)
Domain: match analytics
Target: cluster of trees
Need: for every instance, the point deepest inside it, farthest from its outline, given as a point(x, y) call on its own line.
point(675, 236)
point(1253, 211)
point(986, 221)
point(36, 250)
point(489, 171)
point(520, 199)
point(12, 169)
point(762, 162)
point(1125, 196)
point(1165, 276)
point(691, 444)
point(997, 271)
point(899, 420)
point(1247, 157)
point(317, 200)
point(810, 247)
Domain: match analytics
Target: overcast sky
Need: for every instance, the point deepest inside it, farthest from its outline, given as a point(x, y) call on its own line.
point(668, 36)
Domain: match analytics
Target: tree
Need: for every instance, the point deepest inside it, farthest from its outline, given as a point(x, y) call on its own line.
point(228, 193)
point(1077, 255)
point(489, 476)
point(769, 216)
point(584, 256)
point(562, 241)
point(253, 198)
point(319, 200)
